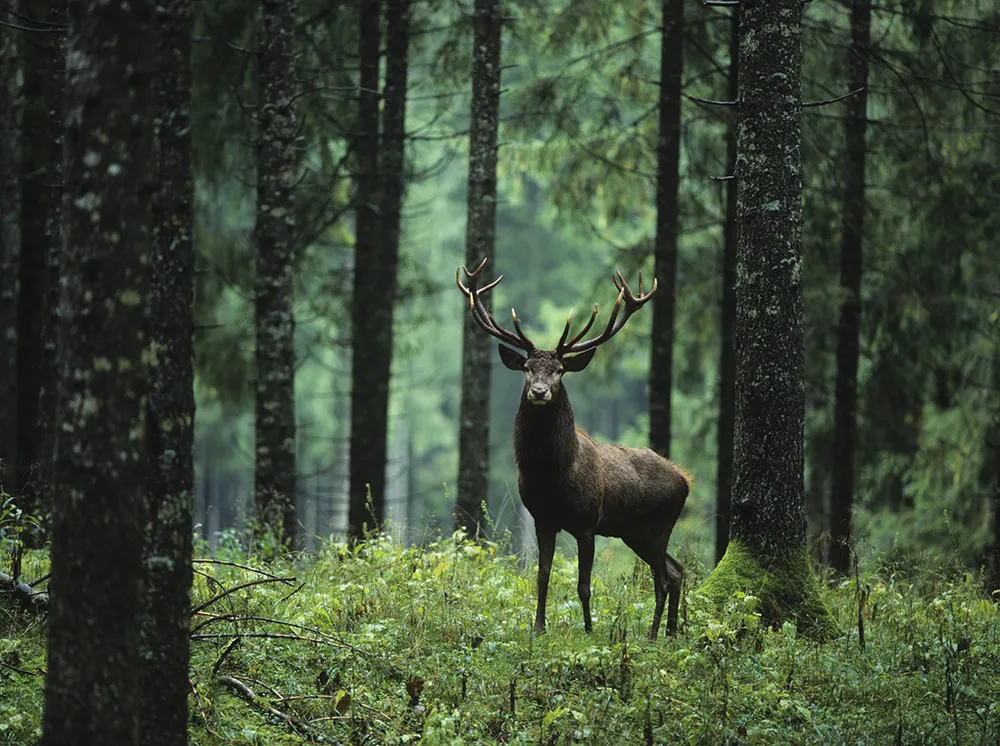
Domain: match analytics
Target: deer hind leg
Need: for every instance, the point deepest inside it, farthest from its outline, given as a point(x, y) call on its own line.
point(653, 552)
point(585, 545)
point(675, 576)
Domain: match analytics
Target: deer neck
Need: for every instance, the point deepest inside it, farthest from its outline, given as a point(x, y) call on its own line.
point(545, 436)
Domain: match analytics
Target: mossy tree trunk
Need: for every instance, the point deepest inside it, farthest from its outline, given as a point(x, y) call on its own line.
point(849, 326)
point(371, 307)
point(766, 555)
point(166, 610)
point(480, 243)
point(92, 684)
point(668, 152)
point(10, 245)
point(727, 353)
point(274, 297)
point(41, 243)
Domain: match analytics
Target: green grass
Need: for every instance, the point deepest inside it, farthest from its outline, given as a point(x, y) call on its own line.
point(433, 645)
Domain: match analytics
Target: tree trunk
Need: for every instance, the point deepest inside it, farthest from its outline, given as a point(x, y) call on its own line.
point(41, 194)
point(480, 243)
point(371, 307)
point(92, 685)
point(11, 104)
point(849, 326)
point(727, 355)
point(767, 554)
point(667, 183)
point(166, 611)
point(274, 476)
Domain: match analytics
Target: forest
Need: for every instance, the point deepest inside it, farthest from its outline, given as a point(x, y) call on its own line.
point(265, 476)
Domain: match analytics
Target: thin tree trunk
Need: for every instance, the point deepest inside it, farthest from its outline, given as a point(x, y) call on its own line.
point(667, 209)
point(480, 243)
point(92, 685)
point(274, 476)
point(167, 574)
point(372, 308)
point(849, 326)
point(392, 173)
point(41, 190)
point(766, 553)
point(11, 104)
point(727, 355)
point(993, 452)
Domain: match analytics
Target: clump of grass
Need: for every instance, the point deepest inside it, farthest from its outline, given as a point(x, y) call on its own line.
point(386, 645)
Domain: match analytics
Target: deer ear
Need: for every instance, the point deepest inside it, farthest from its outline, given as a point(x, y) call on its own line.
point(511, 359)
point(576, 363)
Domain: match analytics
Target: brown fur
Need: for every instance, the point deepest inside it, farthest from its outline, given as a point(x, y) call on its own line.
point(570, 482)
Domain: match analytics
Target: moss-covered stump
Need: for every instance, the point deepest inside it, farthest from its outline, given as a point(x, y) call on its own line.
point(785, 584)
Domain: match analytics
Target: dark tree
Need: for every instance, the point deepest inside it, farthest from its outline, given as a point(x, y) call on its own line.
point(92, 686)
point(10, 245)
point(371, 320)
point(849, 326)
point(667, 184)
point(41, 242)
point(392, 171)
point(166, 610)
point(480, 242)
point(275, 234)
point(727, 354)
point(766, 553)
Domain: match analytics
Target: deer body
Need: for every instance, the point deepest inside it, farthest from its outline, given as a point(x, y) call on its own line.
point(570, 482)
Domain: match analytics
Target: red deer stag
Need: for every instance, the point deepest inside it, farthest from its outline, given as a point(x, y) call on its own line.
point(570, 482)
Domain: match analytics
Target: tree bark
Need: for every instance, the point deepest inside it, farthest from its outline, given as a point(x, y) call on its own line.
point(727, 354)
point(166, 610)
point(767, 554)
point(11, 104)
point(392, 172)
point(41, 240)
point(371, 307)
point(667, 209)
point(274, 476)
point(849, 326)
point(480, 243)
point(91, 693)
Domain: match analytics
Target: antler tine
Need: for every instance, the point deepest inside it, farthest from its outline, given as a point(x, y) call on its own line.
point(563, 344)
point(482, 315)
point(521, 334)
point(615, 323)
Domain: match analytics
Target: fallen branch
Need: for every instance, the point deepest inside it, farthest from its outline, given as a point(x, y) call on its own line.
point(241, 586)
point(33, 600)
point(248, 695)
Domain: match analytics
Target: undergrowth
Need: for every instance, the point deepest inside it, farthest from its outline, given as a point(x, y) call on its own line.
point(386, 645)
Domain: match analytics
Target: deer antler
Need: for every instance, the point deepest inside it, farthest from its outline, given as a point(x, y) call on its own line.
point(632, 304)
point(482, 314)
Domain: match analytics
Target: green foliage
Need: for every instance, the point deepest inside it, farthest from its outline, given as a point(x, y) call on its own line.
point(433, 645)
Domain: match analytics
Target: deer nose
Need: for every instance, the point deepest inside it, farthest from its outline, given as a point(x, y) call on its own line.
point(539, 394)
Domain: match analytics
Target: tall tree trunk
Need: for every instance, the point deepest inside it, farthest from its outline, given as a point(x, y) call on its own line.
point(993, 454)
point(480, 243)
point(667, 183)
point(727, 355)
point(849, 326)
point(767, 553)
point(11, 104)
point(371, 307)
point(41, 240)
point(166, 610)
point(92, 684)
point(274, 476)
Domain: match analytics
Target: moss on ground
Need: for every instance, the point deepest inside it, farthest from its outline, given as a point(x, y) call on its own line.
point(786, 586)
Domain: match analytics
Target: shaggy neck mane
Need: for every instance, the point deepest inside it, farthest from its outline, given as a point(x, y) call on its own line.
point(545, 436)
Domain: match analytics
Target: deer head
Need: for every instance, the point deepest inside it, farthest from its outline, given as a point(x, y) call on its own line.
point(543, 369)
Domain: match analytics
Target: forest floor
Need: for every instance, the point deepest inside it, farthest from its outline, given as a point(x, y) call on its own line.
point(388, 645)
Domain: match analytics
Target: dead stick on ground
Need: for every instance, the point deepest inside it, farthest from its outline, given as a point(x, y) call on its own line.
point(230, 591)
